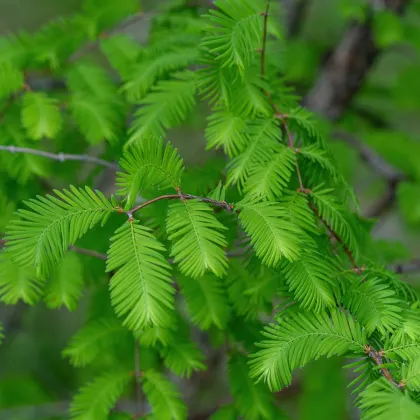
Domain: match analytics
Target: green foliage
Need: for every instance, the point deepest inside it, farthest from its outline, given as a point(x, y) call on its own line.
point(206, 301)
point(141, 287)
point(168, 104)
point(93, 339)
point(296, 340)
point(197, 238)
point(255, 254)
point(271, 235)
point(149, 165)
point(17, 283)
point(382, 400)
point(253, 401)
point(95, 400)
point(234, 33)
point(163, 396)
point(42, 235)
point(309, 279)
point(66, 285)
point(40, 115)
point(374, 305)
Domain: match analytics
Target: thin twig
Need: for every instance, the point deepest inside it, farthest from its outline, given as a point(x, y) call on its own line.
point(264, 40)
point(373, 159)
point(61, 157)
point(222, 204)
point(391, 175)
point(89, 252)
point(376, 356)
point(337, 238)
point(137, 374)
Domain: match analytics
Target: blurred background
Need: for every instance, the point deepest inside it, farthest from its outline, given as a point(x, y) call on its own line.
point(358, 68)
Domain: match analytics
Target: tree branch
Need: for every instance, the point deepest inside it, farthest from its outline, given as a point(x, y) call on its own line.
point(347, 66)
point(89, 252)
point(295, 16)
point(61, 157)
point(264, 39)
point(376, 356)
point(408, 267)
point(391, 175)
point(180, 196)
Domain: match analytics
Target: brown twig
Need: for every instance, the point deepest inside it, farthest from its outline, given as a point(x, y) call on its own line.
point(376, 356)
point(89, 252)
point(223, 204)
point(264, 40)
point(61, 157)
point(337, 238)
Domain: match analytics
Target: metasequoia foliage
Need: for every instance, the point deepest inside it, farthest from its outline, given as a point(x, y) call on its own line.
point(269, 236)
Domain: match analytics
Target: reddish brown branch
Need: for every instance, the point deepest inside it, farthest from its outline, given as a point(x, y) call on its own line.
point(376, 356)
point(180, 196)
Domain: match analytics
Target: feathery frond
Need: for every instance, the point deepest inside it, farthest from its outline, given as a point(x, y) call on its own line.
point(18, 283)
point(235, 33)
point(297, 211)
point(40, 115)
point(183, 357)
point(141, 77)
point(141, 289)
point(12, 80)
point(374, 305)
point(228, 131)
point(96, 399)
point(411, 375)
point(263, 137)
point(197, 239)
point(248, 297)
point(149, 164)
point(166, 106)
point(162, 395)
point(381, 400)
point(272, 236)
point(121, 51)
point(93, 339)
point(206, 301)
point(91, 80)
point(268, 180)
point(41, 236)
point(333, 213)
point(96, 117)
point(317, 154)
point(298, 339)
point(65, 286)
point(310, 278)
point(253, 401)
